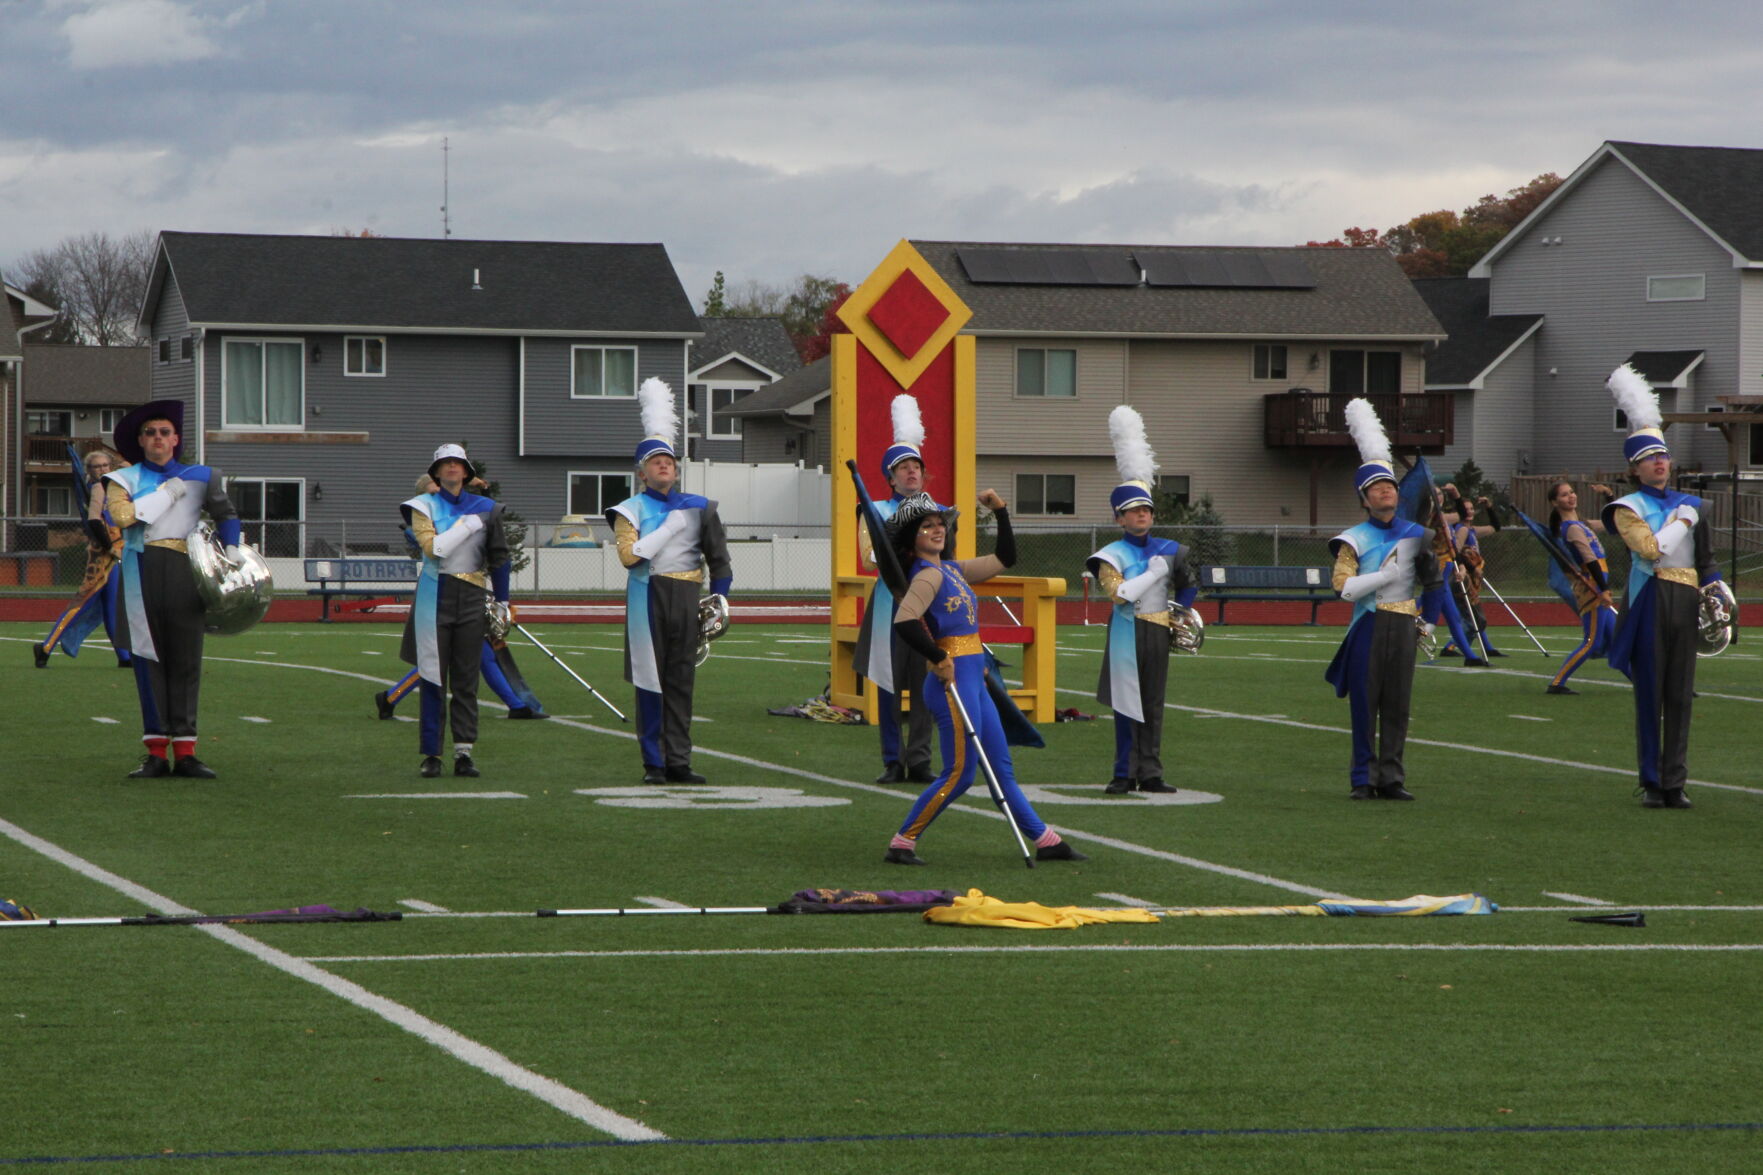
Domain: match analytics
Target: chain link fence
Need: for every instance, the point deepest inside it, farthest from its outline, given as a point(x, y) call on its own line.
point(44, 555)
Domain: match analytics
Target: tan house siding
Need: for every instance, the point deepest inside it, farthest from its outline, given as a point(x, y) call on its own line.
point(1008, 423)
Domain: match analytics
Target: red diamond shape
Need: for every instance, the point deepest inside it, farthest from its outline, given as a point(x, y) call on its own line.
point(908, 314)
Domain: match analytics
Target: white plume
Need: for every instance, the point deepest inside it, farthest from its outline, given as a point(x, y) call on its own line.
point(660, 417)
point(1132, 450)
point(1635, 396)
point(908, 424)
point(1368, 433)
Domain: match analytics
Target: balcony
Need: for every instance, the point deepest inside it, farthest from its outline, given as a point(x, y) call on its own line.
point(1302, 419)
point(46, 454)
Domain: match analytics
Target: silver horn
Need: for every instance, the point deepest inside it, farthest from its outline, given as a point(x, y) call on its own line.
point(498, 618)
point(1717, 619)
point(712, 623)
point(1187, 632)
point(1426, 640)
point(234, 595)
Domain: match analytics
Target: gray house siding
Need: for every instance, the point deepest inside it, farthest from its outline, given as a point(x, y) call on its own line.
point(556, 425)
point(808, 438)
point(175, 380)
point(1615, 232)
point(1495, 425)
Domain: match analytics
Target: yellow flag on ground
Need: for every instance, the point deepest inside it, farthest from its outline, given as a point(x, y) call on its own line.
point(976, 909)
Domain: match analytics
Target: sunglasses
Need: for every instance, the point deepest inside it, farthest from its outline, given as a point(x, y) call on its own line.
point(159, 432)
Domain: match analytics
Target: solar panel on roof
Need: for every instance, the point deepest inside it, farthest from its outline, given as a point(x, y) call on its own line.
point(1049, 267)
point(1242, 271)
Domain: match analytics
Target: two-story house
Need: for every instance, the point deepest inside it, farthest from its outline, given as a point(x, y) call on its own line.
point(737, 356)
point(1241, 361)
point(322, 372)
point(74, 396)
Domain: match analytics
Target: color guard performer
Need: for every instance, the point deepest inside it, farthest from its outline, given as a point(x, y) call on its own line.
point(95, 602)
point(939, 616)
point(156, 502)
point(1374, 667)
point(1672, 557)
point(465, 562)
point(893, 665)
point(1141, 575)
point(665, 540)
point(1589, 591)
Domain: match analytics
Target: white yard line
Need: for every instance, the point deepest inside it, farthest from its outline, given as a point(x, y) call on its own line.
point(1580, 899)
point(486, 1060)
point(1128, 948)
point(423, 907)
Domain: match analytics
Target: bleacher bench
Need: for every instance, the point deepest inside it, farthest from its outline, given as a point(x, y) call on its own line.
point(1302, 584)
point(390, 578)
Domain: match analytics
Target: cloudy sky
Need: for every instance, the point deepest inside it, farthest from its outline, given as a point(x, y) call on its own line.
point(768, 138)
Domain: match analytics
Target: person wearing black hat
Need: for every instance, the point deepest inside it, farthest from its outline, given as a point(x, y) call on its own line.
point(1380, 566)
point(156, 502)
point(665, 540)
point(1671, 557)
point(892, 664)
point(939, 616)
point(465, 560)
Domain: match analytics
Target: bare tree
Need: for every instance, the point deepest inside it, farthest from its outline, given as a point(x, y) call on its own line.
point(97, 281)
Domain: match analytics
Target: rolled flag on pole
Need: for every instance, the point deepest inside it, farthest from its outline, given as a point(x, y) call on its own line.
point(1563, 571)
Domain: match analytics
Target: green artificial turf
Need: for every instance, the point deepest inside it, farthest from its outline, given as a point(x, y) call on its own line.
point(1238, 1044)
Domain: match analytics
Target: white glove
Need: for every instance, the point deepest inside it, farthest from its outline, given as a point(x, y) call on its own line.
point(457, 535)
point(1359, 586)
point(1674, 541)
point(1156, 569)
point(174, 487)
point(1426, 629)
point(1685, 514)
point(151, 507)
point(652, 543)
point(233, 553)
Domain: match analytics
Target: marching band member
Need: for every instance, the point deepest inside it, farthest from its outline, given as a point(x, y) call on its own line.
point(95, 601)
point(465, 559)
point(1672, 555)
point(1591, 589)
point(1141, 575)
point(156, 502)
point(881, 657)
point(1467, 566)
point(1380, 566)
point(939, 617)
point(665, 539)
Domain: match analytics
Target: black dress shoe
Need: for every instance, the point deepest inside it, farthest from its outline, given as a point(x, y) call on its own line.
point(1561, 689)
point(1674, 798)
point(1118, 786)
point(1495, 653)
point(1652, 797)
point(124, 663)
point(190, 767)
point(1449, 651)
point(920, 775)
point(1157, 785)
point(683, 775)
point(42, 656)
point(903, 857)
point(526, 712)
point(653, 774)
point(152, 767)
point(384, 704)
point(1361, 791)
point(1059, 852)
point(1476, 663)
point(431, 767)
point(1394, 791)
point(464, 767)
point(892, 773)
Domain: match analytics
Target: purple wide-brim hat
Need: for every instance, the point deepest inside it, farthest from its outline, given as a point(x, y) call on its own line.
point(127, 436)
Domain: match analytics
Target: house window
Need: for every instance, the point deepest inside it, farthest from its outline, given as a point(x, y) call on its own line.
point(592, 494)
point(263, 383)
point(1044, 371)
point(1046, 493)
point(602, 371)
point(1270, 361)
point(1364, 373)
point(165, 350)
point(187, 348)
point(1714, 408)
point(721, 424)
point(51, 500)
point(49, 424)
point(109, 418)
point(364, 355)
point(1682, 287)
point(270, 514)
point(1174, 487)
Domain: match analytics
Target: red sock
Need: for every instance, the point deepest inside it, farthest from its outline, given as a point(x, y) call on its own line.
point(156, 744)
point(184, 748)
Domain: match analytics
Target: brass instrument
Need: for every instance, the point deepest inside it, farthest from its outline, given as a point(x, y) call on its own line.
point(234, 595)
point(712, 623)
point(1717, 619)
point(1427, 640)
point(498, 618)
point(1187, 632)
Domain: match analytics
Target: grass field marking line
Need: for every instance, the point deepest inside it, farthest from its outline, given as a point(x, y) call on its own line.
point(1129, 900)
point(1424, 742)
point(423, 907)
point(437, 795)
point(1529, 718)
point(105, 721)
point(1513, 948)
point(253, 718)
point(1650, 906)
point(554, 1093)
point(1579, 899)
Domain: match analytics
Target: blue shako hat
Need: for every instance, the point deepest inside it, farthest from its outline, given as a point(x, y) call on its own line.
point(1133, 458)
point(1635, 396)
point(908, 434)
point(1376, 463)
point(660, 420)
